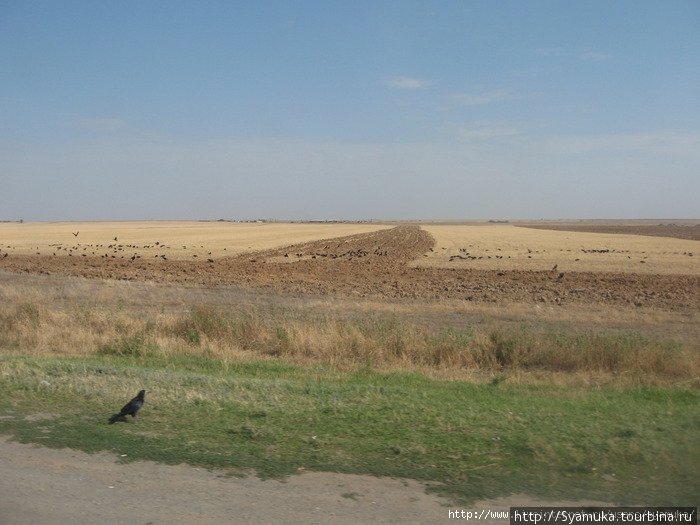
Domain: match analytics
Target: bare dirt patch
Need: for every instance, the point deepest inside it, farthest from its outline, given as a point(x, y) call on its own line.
point(46, 486)
point(42, 486)
point(378, 265)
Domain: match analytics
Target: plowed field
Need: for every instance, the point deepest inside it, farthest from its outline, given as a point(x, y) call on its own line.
point(688, 229)
point(380, 264)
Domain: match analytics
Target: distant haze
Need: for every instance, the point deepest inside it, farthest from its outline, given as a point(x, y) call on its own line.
point(362, 110)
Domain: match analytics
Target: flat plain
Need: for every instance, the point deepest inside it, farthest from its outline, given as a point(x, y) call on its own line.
point(474, 263)
point(384, 349)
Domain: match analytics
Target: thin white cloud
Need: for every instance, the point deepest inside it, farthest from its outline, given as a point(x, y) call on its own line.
point(483, 131)
point(595, 56)
point(675, 143)
point(477, 99)
point(471, 99)
point(586, 54)
point(549, 51)
point(407, 83)
point(102, 125)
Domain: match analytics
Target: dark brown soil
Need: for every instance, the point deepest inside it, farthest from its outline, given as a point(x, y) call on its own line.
point(377, 265)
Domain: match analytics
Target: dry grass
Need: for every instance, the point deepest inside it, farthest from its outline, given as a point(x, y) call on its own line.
point(507, 247)
point(174, 239)
point(82, 318)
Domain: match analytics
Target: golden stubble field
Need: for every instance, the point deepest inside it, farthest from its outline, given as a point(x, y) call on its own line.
point(508, 247)
point(178, 240)
point(459, 246)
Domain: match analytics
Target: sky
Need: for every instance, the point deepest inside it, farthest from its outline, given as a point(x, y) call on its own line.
point(315, 110)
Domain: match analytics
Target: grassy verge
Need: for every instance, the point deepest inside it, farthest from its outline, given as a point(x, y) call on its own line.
point(383, 342)
point(624, 445)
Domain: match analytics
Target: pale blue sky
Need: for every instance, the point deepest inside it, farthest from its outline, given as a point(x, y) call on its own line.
point(349, 110)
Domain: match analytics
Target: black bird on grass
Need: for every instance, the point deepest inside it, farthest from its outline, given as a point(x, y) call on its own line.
point(130, 409)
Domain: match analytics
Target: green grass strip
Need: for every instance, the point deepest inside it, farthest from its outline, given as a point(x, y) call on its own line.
point(625, 446)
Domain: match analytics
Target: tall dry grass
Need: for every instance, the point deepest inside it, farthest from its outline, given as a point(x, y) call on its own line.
point(383, 342)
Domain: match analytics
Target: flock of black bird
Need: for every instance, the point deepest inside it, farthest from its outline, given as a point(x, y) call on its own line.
point(113, 250)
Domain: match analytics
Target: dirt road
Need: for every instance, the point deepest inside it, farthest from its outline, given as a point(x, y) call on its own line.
point(42, 486)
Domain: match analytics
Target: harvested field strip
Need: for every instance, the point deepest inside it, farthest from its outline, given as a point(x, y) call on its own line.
point(506, 247)
point(171, 239)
